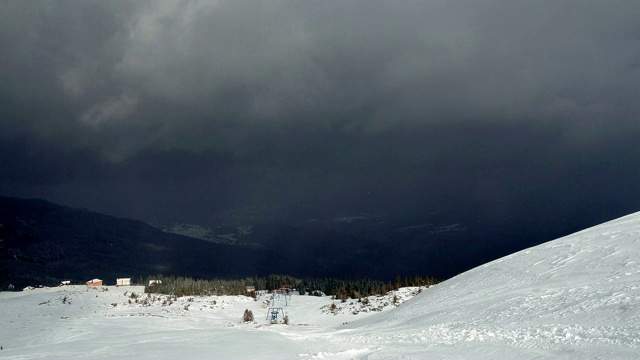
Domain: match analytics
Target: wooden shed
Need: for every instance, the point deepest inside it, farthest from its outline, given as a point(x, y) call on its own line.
point(94, 282)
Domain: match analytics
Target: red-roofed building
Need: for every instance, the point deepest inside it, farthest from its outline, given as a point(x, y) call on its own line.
point(94, 282)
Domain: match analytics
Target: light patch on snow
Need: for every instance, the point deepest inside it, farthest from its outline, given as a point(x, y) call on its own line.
point(434, 229)
point(245, 230)
point(348, 219)
point(201, 232)
point(208, 233)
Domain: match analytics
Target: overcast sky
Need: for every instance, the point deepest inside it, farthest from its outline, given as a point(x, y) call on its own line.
point(196, 109)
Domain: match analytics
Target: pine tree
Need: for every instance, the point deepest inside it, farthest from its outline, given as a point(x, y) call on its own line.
point(248, 316)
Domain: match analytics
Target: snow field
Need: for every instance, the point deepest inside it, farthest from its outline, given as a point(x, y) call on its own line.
point(120, 322)
point(577, 297)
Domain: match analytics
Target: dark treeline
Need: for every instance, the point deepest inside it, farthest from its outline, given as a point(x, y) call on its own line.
point(185, 286)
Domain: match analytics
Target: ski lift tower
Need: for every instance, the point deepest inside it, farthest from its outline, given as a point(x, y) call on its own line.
point(273, 313)
point(283, 293)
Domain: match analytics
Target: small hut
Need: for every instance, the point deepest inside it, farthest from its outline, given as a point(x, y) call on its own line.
point(123, 282)
point(94, 282)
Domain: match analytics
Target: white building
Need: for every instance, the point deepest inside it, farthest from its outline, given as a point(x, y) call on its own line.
point(123, 282)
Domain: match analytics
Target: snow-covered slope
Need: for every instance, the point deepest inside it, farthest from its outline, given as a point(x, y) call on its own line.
point(576, 297)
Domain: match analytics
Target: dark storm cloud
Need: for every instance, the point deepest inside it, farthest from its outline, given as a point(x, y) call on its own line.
point(133, 75)
point(355, 105)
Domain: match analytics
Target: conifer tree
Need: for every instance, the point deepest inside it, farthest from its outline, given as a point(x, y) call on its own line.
point(248, 316)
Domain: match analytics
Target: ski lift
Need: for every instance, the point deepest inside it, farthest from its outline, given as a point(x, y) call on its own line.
point(283, 292)
point(273, 313)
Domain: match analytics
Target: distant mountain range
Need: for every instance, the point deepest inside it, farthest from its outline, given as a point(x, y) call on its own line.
point(44, 243)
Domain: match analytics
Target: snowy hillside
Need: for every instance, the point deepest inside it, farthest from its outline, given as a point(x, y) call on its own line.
point(577, 297)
